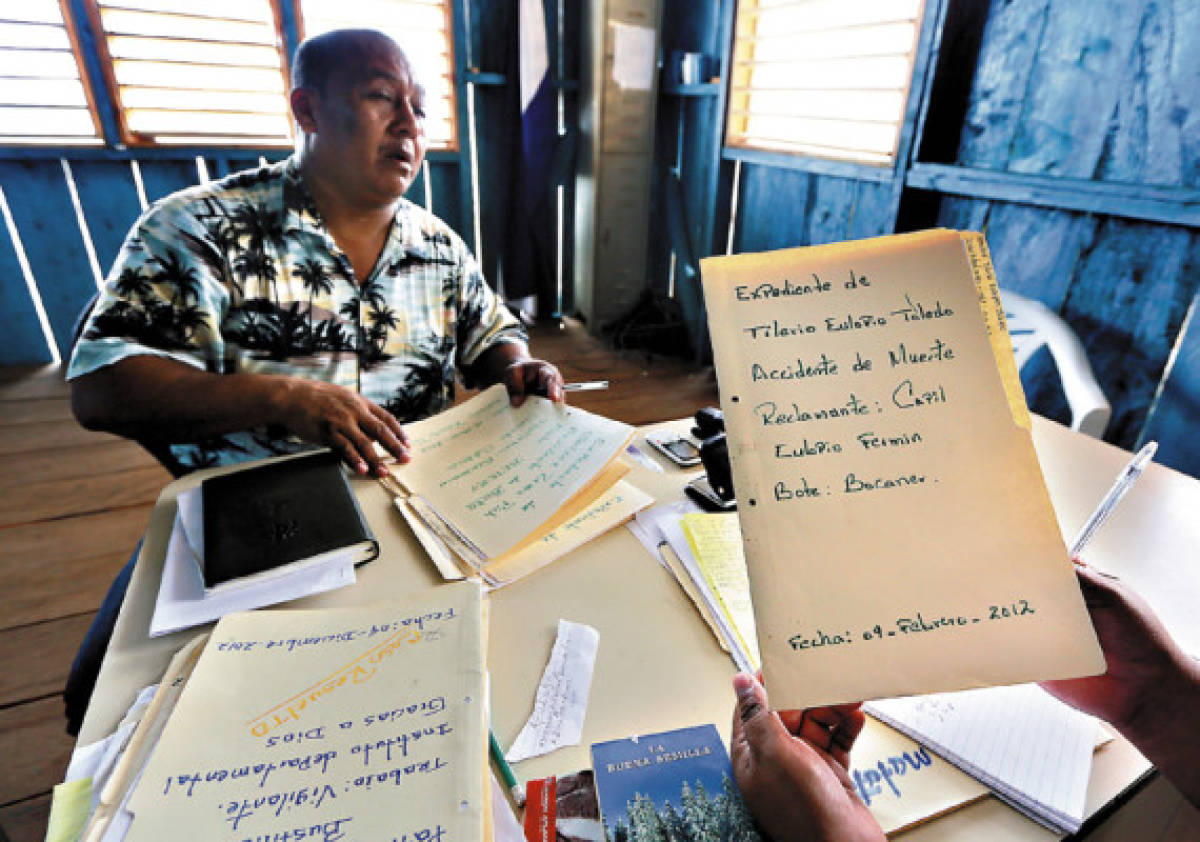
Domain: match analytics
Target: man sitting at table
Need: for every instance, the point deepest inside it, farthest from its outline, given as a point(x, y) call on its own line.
point(305, 303)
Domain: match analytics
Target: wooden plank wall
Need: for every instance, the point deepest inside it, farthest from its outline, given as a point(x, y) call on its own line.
point(1064, 95)
point(1105, 92)
point(783, 208)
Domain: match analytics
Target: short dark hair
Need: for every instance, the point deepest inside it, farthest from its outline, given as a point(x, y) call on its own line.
point(317, 57)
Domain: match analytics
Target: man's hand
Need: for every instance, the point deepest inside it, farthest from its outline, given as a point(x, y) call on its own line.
point(509, 363)
point(792, 769)
point(532, 377)
point(1151, 689)
point(1138, 649)
point(328, 414)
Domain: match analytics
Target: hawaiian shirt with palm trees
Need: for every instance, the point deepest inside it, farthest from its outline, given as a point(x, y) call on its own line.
point(241, 276)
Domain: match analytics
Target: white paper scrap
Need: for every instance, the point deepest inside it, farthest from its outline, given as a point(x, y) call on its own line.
point(634, 56)
point(190, 506)
point(561, 702)
point(647, 525)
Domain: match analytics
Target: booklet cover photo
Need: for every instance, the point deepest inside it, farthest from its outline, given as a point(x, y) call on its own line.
point(676, 786)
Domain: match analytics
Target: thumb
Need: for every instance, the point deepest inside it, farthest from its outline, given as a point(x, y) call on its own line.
point(755, 728)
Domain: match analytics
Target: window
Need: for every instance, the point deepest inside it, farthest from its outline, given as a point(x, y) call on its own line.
point(826, 78)
point(43, 97)
point(187, 73)
point(196, 73)
point(422, 29)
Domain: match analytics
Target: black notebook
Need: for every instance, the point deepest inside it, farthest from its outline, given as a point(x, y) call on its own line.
point(290, 512)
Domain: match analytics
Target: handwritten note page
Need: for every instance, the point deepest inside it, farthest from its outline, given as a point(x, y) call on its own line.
point(561, 701)
point(716, 543)
point(1032, 749)
point(499, 474)
point(363, 723)
point(898, 533)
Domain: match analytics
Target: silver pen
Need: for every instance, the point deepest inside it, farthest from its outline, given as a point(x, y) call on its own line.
point(585, 386)
point(1120, 487)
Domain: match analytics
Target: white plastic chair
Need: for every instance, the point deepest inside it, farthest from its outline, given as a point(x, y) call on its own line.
point(1031, 324)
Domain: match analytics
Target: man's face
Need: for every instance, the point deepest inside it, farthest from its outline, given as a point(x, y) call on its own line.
point(370, 126)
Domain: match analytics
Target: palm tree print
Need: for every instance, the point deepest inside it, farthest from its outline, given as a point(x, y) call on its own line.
point(174, 270)
point(262, 231)
point(428, 382)
point(317, 281)
point(131, 283)
point(383, 321)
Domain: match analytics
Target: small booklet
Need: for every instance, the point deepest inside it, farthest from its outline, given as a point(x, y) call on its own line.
point(270, 519)
point(899, 537)
point(673, 785)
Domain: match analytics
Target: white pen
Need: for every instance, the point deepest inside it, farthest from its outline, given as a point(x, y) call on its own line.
point(1124, 482)
point(585, 386)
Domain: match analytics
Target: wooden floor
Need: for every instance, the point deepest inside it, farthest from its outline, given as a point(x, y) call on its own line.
point(73, 505)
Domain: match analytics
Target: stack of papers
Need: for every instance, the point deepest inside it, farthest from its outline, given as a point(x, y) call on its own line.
point(498, 492)
point(183, 601)
point(1031, 750)
point(704, 553)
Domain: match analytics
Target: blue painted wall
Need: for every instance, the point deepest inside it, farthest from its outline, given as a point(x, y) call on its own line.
point(1097, 93)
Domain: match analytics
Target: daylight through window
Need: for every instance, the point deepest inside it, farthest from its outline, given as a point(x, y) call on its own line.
point(825, 78)
point(196, 73)
point(43, 99)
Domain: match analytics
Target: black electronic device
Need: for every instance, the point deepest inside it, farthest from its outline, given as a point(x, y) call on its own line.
point(700, 491)
point(714, 453)
point(714, 490)
point(679, 449)
point(709, 422)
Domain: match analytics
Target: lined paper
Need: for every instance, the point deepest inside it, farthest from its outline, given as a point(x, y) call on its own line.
point(1032, 750)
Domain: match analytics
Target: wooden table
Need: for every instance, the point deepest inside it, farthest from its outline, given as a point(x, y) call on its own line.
point(658, 666)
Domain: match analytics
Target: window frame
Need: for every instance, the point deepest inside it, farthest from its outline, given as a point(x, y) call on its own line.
point(928, 25)
point(98, 139)
point(135, 140)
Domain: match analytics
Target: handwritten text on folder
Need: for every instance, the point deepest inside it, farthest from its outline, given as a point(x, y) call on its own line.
point(498, 473)
point(899, 537)
point(362, 723)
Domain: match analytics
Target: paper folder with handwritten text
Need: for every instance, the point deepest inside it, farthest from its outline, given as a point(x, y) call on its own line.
point(898, 533)
point(346, 723)
point(503, 491)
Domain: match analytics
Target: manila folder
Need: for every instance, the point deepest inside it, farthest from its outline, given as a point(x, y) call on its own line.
point(898, 533)
point(346, 723)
